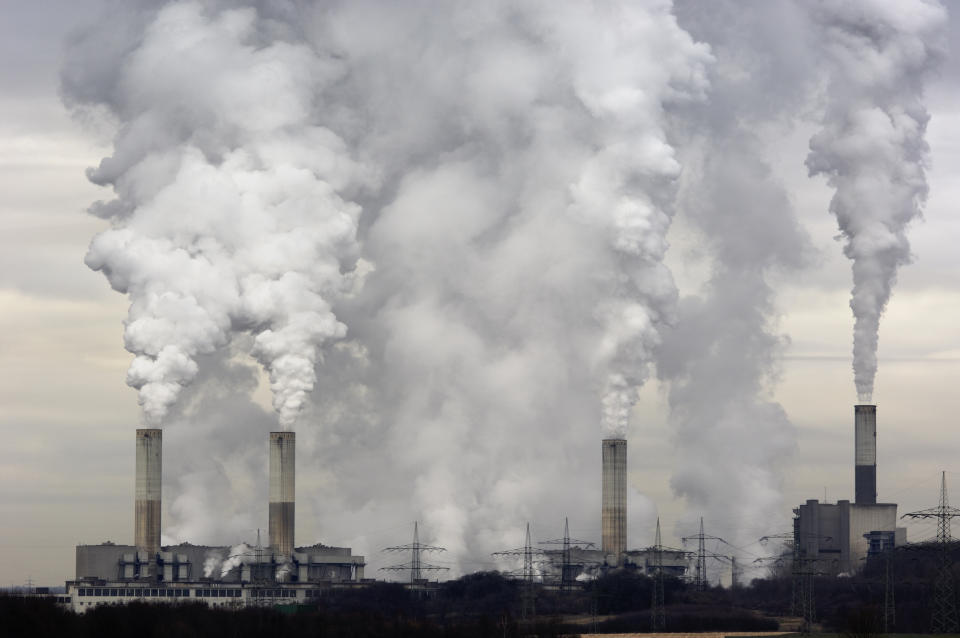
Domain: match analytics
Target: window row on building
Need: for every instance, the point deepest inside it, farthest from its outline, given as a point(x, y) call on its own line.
point(138, 591)
point(273, 593)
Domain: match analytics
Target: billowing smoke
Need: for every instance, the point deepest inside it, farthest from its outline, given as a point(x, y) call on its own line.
point(720, 360)
point(871, 147)
point(239, 555)
point(516, 175)
point(228, 215)
point(213, 562)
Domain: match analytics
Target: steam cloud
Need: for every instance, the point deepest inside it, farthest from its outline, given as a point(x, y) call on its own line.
point(516, 178)
point(228, 216)
point(517, 166)
point(720, 359)
point(871, 147)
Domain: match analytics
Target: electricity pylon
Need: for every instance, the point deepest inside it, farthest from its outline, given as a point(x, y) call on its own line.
point(416, 566)
point(700, 568)
point(944, 620)
point(568, 568)
point(658, 612)
point(889, 603)
point(528, 607)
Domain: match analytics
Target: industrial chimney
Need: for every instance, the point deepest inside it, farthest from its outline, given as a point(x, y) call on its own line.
point(146, 522)
point(614, 513)
point(865, 454)
point(282, 468)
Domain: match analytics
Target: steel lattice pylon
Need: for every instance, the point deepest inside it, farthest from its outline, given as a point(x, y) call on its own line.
point(889, 602)
point(416, 566)
point(527, 574)
point(944, 620)
point(568, 569)
point(658, 612)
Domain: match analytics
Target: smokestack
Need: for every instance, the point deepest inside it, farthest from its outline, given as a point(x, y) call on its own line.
point(147, 505)
point(865, 454)
point(614, 513)
point(282, 468)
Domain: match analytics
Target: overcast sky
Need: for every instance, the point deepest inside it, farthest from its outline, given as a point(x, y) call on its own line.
point(67, 415)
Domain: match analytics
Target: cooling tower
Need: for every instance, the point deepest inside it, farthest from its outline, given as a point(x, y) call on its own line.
point(865, 454)
point(147, 505)
point(614, 513)
point(282, 469)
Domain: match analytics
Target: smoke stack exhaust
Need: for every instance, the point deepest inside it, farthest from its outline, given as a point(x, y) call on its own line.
point(282, 469)
point(146, 522)
point(865, 454)
point(614, 513)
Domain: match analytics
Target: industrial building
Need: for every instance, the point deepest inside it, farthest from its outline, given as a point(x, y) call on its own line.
point(836, 538)
point(580, 560)
point(220, 576)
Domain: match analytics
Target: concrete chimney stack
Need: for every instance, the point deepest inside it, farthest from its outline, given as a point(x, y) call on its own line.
point(865, 454)
point(282, 470)
point(149, 477)
point(614, 513)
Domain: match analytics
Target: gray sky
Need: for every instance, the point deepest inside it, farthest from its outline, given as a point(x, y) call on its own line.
point(66, 469)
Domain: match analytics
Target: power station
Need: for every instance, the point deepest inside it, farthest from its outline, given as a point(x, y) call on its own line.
point(220, 576)
point(835, 537)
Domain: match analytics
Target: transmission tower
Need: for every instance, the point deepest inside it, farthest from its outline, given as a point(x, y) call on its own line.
point(568, 569)
point(944, 619)
point(658, 612)
point(700, 568)
point(416, 566)
point(528, 576)
point(889, 603)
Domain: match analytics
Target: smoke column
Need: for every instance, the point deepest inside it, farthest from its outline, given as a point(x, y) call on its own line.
point(871, 147)
point(518, 238)
point(720, 359)
point(515, 170)
point(227, 216)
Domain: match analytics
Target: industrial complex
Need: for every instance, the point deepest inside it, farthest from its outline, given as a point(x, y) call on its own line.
point(837, 536)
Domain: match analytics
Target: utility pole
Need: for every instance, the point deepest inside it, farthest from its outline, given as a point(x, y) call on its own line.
point(568, 569)
point(416, 566)
point(944, 620)
point(527, 592)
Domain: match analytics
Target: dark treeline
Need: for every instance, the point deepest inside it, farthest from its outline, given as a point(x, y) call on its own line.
point(487, 604)
point(854, 605)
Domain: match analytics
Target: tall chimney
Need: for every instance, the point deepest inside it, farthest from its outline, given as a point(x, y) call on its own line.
point(614, 513)
point(865, 454)
point(146, 522)
point(282, 469)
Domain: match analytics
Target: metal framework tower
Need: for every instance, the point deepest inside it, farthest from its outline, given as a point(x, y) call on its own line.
point(658, 613)
point(416, 566)
point(804, 571)
point(527, 574)
point(568, 569)
point(889, 602)
point(700, 568)
point(944, 620)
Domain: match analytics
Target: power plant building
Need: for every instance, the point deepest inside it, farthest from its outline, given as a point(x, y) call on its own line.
point(837, 537)
point(218, 575)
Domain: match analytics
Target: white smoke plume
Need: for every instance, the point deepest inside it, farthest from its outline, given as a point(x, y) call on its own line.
point(872, 148)
point(239, 555)
point(227, 215)
point(212, 563)
point(516, 174)
point(720, 360)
